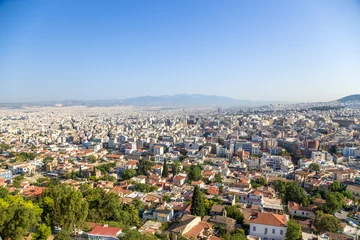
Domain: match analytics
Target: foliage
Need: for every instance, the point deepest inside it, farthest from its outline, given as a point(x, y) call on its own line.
point(63, 235)
point(105, 168)
point(195, 174)
point(3, 192)
point(128, 173)
point(235, 213)
point(143, 187)
point(209, 203)
point(64, 207)
point(218, 178)
point(237, 234)
point(197, 206)
point(106, 207)
point(17, 181)
point(17, 217)
point(335, 186)
point(334, 202)
point(42, 233)
point(166, 198)
point(144, 166)
point(176, 167)
point(295, 193)
point(293, 231)
point(92, 159)
point(165, 172)
point(314, 167)
point(324, 222)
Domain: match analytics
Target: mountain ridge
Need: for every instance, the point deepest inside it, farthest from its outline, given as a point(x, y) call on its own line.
point(178, 100)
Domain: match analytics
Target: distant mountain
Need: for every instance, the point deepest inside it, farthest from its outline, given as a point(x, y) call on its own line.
point(180, 100)
point(184, 100)
point(350, 98)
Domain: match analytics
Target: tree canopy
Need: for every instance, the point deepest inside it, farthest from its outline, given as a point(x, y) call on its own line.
point(324, 222)
point(314, 167)
point(165, 172)
point(194, 173)
point(197, 203)
point(295, 193)
point(293, 231)
point(17, 217)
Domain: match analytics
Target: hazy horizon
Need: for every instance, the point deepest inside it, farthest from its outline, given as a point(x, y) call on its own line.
point(289, 51)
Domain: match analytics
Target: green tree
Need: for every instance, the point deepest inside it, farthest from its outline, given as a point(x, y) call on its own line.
point(42, 233)
point(347, 194)
point(262, 181)
point(176, 168)
point(314, 167)
point(166, 198)
point(128, 173)
point(235, 213)
point(237, 234)
point(195, 174)
point(218, 178)
point(68, 209)
point(17, 217)
point(293, 231)
point(324, 222)
point(3, 192)
point(334, 202)
point(295, 193)
point(92, 159)
point(197, 203)
point(165, 172)
point(63, 235)
point(144, 166)
point(335, 186)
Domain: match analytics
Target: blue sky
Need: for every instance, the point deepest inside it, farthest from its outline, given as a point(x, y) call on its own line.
point(287, 50)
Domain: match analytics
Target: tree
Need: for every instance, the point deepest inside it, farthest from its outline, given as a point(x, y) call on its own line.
point(195, 174)
point(263, 181)
point(314, 167)
point(235, 213)
point(324, 222)
point(176, 168)
point(334, 202)
point(144, 166)
point(42, 233)
point(92, 159)
point(17, 217)
point(166, 198)
point(65, 207)
point(197, 203)
point(3, 192)
point(128, 173)
point(218, 178)
point(165, 172)
point(347, 194)
point(295, 193)
point(335, 186)
point(63, 235)
point(237, 234)
point(293, 231)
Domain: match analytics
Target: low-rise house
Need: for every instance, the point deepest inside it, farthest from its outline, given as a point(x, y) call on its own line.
point(300, 211)
point(104, 233)
point(269, 226)
point(216, 210)
point(163, 214)
point(179, 180)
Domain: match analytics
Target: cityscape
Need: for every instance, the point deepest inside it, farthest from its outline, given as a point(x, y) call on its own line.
point(179, 120)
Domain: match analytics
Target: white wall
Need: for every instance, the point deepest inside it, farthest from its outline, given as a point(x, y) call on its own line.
point(260, 231)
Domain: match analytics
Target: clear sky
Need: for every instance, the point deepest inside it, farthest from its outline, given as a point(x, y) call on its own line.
point(288, 50)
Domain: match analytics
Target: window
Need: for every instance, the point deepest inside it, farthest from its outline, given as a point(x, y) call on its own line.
point(295, 212)
point(281, 232)
point(265, 231)
point(273, 231)
point(254, 228)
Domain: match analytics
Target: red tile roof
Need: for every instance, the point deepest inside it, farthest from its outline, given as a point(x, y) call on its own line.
point(105, 231)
